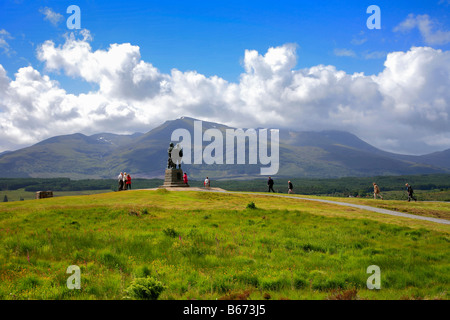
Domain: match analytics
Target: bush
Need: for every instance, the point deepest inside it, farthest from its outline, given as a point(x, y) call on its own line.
point(251, 205)
point(171, 232)
point(145, 289)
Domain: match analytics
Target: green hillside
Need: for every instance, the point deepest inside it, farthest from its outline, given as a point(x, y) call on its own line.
point(202, 245)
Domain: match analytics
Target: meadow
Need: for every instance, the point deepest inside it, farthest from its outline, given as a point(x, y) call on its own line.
point(203, 245)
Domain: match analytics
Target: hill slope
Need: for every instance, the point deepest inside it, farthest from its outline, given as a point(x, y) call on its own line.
point(206, 246)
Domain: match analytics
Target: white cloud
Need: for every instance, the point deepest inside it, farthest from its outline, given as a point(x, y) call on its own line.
point(375, 55)
point(426, 27)
point(358, 42)
point(344, 53)
point(400, 109)
point(51, 16)
point(4, 45)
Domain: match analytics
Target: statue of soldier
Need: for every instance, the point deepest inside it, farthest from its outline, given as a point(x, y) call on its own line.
point(169, 161)
point(177, 154)
point(176, 157)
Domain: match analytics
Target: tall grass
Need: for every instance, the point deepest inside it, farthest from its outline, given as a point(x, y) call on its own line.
point(208, 246)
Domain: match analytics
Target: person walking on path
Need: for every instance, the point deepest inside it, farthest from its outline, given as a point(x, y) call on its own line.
point(120, 179)
point(270, 184)
point(185, 179)
point(410, 193)
point(376, 191)
point(207, 183)
point(290, 187)
point(128, 181)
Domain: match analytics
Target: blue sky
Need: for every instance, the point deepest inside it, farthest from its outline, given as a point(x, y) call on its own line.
point(212, 38)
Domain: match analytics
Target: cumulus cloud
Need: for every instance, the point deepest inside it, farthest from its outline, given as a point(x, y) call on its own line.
point(427, 28)
point(402, 109)
point(53, 17)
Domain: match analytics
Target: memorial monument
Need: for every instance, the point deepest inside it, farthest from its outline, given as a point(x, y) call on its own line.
point(173, 176)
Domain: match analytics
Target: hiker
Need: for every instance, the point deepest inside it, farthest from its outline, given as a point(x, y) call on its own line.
point(124, 181)
point(270, 184)
point(376, 191)
point(410, 193)
point(290, 187)
point(207, 183)
point(128, 182)
point(120, 179)
point(185, 179)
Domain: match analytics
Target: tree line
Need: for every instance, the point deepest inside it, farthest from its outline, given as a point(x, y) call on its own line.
point(344, 186)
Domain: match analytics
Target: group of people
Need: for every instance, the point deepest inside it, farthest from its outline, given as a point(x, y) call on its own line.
point(409, 189)
point(376, 189)
point(124, 180)
point(125, 184)
point(206, 183)
point(270, 183)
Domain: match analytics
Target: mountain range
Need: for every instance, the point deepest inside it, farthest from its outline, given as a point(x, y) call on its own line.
point(325, 154)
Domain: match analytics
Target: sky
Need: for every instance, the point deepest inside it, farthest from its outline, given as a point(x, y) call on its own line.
point(301, 65)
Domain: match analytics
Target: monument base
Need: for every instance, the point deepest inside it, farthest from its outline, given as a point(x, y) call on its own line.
point(174, 179)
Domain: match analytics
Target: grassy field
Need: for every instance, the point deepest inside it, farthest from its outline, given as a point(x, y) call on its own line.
point(434, 209)
point(202, 245)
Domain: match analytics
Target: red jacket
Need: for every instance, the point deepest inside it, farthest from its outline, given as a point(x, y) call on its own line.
point(128, 180)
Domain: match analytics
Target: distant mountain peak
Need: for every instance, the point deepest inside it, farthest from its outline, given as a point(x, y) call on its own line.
point(320, 154)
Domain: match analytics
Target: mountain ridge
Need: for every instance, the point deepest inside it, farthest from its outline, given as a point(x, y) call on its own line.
point(324, 154)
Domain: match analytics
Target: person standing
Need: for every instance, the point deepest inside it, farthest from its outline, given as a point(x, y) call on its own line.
point(185, 179)
point(376, 191)
point(128, 181)
point(120, 179)
point(410, 193)
point(207, 183)
point(124, 181)
point(290, 187)
point(270, 184)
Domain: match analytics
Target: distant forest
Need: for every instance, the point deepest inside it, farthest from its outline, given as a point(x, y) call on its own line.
point(347, 186)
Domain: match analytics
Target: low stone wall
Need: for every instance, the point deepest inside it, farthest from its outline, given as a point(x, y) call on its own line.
point(44, 194)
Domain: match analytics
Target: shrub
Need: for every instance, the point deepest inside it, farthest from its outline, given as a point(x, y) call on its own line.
point(251, 205)
point(145, 289)
point(171, 232)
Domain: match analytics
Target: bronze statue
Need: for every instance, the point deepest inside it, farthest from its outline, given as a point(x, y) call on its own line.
point(178, 154)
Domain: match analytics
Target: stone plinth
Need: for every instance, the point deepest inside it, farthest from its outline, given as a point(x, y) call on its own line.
point(174, 178)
